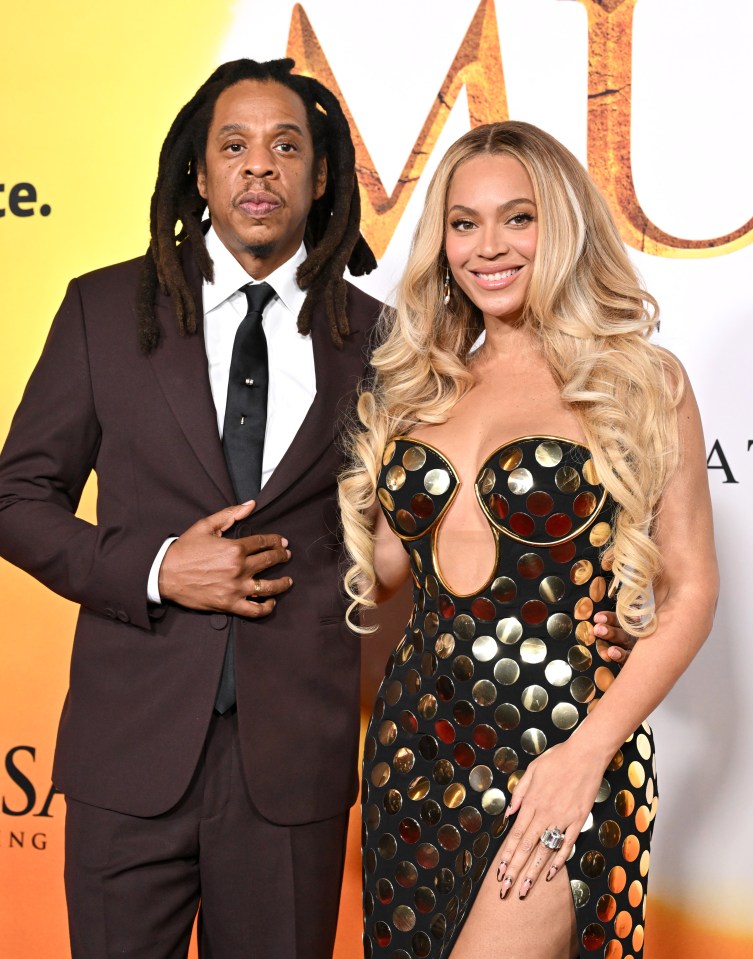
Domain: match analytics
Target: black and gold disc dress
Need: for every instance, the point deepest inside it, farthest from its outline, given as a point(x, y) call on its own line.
point(482, 684)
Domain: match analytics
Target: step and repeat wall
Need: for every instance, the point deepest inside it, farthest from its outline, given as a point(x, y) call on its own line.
point(653, 95)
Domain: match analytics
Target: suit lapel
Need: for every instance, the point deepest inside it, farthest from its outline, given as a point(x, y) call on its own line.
point(180, 365)
point(337, 374)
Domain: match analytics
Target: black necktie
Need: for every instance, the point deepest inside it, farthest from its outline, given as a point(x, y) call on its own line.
point(243, 433)
point(246, 409)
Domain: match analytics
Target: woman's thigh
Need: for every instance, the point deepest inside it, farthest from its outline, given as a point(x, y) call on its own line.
point(541, 926)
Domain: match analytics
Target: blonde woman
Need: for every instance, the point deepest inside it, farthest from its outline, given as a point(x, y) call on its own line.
point(555, 471)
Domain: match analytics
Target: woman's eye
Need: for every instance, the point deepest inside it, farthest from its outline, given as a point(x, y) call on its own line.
point(520, 219)
point(462, 225)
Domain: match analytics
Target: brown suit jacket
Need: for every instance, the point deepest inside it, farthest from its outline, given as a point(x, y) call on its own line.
point(143, 680)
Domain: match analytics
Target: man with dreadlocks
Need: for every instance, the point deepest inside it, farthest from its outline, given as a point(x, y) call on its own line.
point(208, 741)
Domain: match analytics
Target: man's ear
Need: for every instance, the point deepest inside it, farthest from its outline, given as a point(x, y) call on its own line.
point(320, 181)
point(201, 181)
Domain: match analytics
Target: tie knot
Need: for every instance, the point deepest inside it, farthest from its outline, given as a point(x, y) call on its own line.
point(258, 295)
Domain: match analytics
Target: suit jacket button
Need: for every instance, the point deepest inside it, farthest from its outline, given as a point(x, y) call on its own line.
point(110, 612)
point(122, 616)
point(218, 620)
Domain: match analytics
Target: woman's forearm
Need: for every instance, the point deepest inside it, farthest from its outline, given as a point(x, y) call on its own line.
point(654, 666)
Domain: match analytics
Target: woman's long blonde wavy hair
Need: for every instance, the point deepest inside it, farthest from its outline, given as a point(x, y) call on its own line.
point(592, 320)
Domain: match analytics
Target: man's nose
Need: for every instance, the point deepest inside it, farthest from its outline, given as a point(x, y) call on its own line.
point(259, 163)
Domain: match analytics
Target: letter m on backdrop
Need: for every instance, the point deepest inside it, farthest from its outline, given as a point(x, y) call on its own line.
point(477, 67)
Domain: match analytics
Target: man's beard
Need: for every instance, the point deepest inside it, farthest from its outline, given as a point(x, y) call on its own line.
point(261, 251)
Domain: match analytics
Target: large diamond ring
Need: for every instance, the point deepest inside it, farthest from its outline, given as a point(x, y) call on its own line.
point(552, 838)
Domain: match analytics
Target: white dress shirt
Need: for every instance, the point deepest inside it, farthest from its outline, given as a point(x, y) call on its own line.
point(292, 376)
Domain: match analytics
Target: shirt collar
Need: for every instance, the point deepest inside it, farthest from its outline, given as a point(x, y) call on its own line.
point(229, 276)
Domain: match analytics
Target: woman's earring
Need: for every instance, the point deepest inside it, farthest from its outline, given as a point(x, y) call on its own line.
point(447, 290)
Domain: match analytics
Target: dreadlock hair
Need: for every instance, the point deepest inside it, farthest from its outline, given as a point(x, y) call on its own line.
point(333, 238)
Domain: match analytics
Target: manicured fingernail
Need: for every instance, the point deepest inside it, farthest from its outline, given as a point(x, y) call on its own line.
point(524, 889)
point(501, 871)
point(290, 580)
point(508, 811)
point(284, 541)
point(552, 873)
point(600, 630)
point(505, 887)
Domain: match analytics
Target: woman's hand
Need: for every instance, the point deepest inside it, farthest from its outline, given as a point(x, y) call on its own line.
point(557, 791)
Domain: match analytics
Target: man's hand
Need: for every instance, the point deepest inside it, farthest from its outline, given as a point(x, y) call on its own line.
point(203, 570)
point(612, 642)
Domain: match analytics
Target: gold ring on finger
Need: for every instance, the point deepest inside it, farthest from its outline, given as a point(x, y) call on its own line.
point(257, 587)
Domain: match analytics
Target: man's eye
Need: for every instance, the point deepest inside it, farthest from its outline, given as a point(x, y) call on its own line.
point(234, 147)
point(286, 147)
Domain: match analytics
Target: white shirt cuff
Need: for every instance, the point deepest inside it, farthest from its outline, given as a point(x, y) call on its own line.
point(152, 585)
